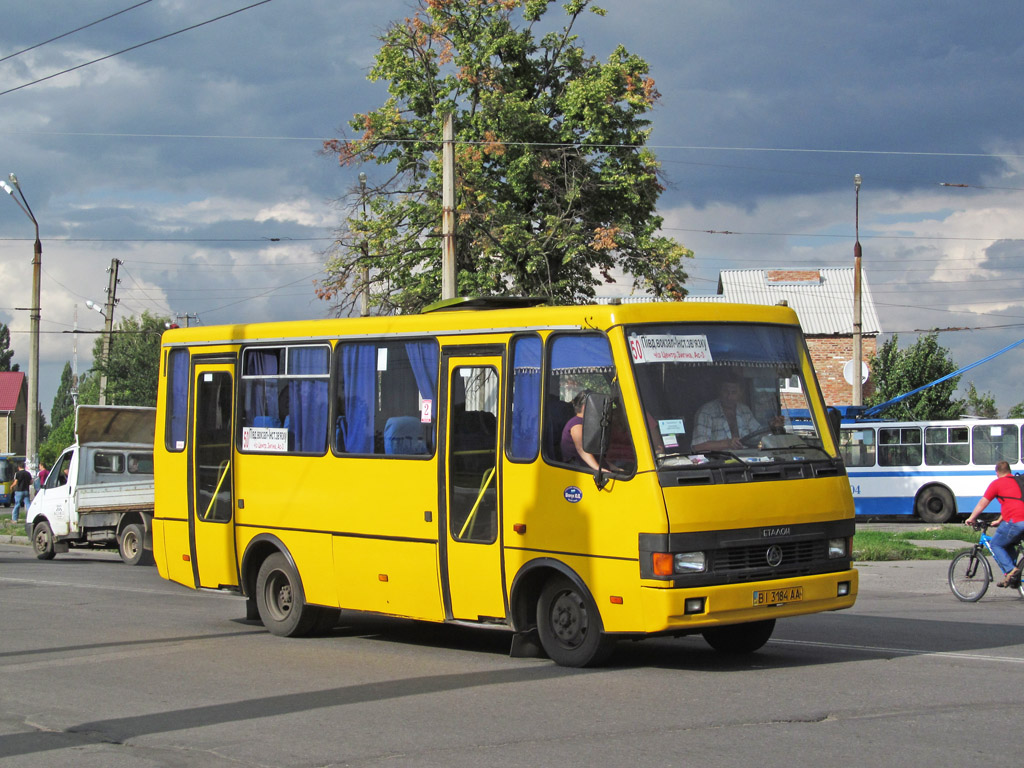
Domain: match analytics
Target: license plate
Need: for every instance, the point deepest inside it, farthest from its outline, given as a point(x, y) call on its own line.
point(779, 596)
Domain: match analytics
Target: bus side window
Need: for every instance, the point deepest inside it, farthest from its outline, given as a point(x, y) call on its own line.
point(386, 398)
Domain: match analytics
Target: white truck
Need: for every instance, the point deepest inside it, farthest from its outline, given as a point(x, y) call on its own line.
point(99, 493)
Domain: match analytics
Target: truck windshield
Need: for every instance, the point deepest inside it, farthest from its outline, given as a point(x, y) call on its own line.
point(724, 394)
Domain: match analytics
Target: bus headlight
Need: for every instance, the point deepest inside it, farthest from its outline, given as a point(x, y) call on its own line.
point(667, 564)
point(838, 548)
point(689, 562)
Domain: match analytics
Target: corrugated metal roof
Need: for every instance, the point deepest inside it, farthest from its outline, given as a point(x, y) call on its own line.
point(10, 389)
point(822, 298)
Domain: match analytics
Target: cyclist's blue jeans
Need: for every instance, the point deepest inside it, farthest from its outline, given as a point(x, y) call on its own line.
point(1003, 541)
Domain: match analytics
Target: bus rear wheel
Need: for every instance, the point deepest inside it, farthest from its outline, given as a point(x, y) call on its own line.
point(280, 599)
point(740, 639)
point(935, 505)
point(569, 625)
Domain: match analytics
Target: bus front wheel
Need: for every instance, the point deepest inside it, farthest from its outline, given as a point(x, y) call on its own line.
point(740, 639)
point(935, 505)
point(280, 599)
point(569, 625)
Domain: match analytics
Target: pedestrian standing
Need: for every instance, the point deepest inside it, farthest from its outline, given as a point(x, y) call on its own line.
point(22, 482)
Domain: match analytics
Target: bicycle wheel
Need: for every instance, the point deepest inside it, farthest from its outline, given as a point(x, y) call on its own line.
point(969, 575)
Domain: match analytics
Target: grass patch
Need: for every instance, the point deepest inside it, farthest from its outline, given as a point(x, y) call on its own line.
point(895, 545)
point(8, 527)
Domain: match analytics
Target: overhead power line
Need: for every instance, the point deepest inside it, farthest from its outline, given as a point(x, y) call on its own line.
point(132, 48)
point(76, 29)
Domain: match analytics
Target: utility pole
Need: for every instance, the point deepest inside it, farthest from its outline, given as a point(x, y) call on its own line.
point(364, 273)
point(108, 325)
point(858, 355)
point(74, 364)
point(448, 212)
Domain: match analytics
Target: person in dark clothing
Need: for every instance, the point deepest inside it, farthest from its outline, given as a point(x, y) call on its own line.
point(22, 482)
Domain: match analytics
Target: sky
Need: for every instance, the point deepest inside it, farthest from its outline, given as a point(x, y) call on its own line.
point(195, 160)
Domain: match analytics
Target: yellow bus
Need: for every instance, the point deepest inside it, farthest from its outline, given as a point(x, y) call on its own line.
point(434, 467)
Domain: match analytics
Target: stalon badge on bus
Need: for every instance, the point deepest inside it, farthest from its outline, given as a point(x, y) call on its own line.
point(573, 494)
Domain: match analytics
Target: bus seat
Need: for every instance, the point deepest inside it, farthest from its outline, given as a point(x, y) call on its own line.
point(265, 421)
point(404, 435)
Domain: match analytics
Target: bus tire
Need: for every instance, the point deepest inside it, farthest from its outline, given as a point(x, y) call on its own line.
point(935, 505)
point(131, 544)
point(281, 601)
point(569, 625)
point(42, 541)
point(740, 639)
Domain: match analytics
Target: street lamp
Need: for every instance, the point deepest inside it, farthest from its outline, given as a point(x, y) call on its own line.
point(858, 378)
point(32, 428)
point(108, 319)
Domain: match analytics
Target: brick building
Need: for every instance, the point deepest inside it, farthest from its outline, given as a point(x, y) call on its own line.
point(823, 301)
point(13, 412)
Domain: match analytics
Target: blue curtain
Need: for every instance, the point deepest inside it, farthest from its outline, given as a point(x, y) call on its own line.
point(423, 359)
point(580, 353)
point(178, 399)
point(358, 368)
point(263, 362)
point(525, 397)
point(308, 398)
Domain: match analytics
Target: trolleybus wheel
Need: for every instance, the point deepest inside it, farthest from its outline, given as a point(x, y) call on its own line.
point(281, 601)
point(569, 625)
point(935, 505)
point(739, 639)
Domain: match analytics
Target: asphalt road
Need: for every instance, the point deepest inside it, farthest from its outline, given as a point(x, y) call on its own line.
point(106, 665)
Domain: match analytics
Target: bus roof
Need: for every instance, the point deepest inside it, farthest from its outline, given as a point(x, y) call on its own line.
point(457, 320)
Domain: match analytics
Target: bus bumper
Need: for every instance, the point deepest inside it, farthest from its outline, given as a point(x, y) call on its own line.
point(697, 608)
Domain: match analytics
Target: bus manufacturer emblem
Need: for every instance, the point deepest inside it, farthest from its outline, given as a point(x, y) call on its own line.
point(774, 556)
point(573, 494)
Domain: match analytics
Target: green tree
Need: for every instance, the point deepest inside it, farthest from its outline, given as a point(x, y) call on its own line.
point(63, 402)
point(1016, 412)
point(555, 188)
point(61, 436)
point(981, 405)
point(6, 353)
point(134, 365)
point(897, 372)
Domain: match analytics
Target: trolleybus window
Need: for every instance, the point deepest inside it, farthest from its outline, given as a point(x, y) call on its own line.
point(994, 443)
point(946, 446)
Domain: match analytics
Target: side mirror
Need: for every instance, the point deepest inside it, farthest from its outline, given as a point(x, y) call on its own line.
point(835, 419)
point(597, 419)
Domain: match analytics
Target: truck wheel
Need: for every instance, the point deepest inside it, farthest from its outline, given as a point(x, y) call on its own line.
point(42, 541)
point(131, 544)
point(281, 600)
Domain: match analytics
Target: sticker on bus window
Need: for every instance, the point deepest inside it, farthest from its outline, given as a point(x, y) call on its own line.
point(669, 349)
point(382, 359)
point(427, 411)
point(671, 427)
point(270, 439)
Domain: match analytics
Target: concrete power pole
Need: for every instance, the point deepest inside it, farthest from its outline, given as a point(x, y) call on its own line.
point(448, 213)
point(108, 325)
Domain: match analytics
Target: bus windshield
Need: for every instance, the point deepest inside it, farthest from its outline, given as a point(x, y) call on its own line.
point(724, 393)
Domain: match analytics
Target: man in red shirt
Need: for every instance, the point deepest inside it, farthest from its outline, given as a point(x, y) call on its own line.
point(1010, 521)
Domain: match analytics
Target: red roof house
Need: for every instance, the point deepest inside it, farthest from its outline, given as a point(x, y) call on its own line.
point(13, 411)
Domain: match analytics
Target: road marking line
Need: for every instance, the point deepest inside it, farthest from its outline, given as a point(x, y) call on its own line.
point(903, 651)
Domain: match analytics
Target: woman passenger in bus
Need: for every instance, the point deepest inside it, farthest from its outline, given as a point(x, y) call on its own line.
point(572, 435)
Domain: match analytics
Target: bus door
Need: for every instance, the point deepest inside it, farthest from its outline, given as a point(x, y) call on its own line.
point(471, 562)
point(211, 493)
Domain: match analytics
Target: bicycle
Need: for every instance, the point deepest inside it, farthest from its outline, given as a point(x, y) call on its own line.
point(970, 572)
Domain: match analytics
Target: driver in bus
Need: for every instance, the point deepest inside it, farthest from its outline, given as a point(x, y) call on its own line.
point(720, 423)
